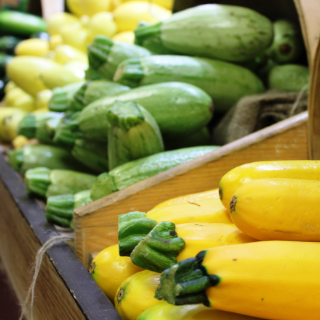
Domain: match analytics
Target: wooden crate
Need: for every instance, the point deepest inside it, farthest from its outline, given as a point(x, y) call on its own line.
point(64, 289)
point(96, 223)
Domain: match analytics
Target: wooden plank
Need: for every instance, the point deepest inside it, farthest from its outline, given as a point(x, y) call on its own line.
point(314, 110)
point(64, 289)
point(96, 223)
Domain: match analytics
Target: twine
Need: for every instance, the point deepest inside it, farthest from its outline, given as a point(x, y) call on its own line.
point(299, 97)
point(29, 300)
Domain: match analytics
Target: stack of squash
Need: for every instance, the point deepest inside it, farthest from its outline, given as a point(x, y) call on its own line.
point(248, 250)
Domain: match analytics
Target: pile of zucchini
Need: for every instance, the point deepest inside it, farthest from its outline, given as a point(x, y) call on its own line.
point(147, 107)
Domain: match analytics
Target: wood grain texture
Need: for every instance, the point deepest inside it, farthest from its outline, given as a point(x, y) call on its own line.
point(18, 246)
point(64, 289)
point(314, 109)
point(96, 223)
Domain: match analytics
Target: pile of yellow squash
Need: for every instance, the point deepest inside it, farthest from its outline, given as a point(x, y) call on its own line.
point(262, 229)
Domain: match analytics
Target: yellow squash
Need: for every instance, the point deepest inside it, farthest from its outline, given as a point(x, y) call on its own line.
point(201, 236)
point(109, 270)
point(166, 311)
point(166, 243)
point(124, 36)
point(18, 98)
point(129, 14)
point(65, 53)
point(164, 3)
point(102, 23)
point(26, 71)
point(207, 210)
point(9, 121)
point(294, 169)
point(19, 142)
point(42, 99)
point(191, 198)
point(32, 47)
point(278, 209)
point(267, 279)
point(58, 20)
point(136, 294)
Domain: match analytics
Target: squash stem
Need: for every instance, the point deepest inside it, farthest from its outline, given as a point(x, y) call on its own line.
point(61, 206)
point(159, 249)
point(27, 126)
point(129, 73)
point(98, 51)
point(132, 228)
point(144, 32)
point(186, 282)
point(38, 180)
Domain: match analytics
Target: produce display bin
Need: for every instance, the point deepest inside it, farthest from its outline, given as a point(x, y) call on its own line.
point(96, 223)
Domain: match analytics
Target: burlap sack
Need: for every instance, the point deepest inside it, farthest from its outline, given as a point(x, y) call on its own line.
point(255, 112)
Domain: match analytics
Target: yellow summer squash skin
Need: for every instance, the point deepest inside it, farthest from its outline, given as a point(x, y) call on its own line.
point(278, 209)
point(266, 279)
point(293, 169)
point(210, 194)
point(202, 236)
point(136, 294)
point(166, 311)
point(208, 210)
point(109, 270)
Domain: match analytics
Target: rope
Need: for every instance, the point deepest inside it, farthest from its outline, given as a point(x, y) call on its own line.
point(29, 300)
point(296, 103)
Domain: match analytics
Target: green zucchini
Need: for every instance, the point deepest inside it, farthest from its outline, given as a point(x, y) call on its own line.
point(152, 43)
point(46, 182)
point(178, 108)
point(132, 228)
point(91, 91)
point(138, 170)
point(158, 250)
point(51, 126)
point(287, 45)
point(67, 131)
point(132, 134)
point(225, 82)
point(92, 154)
point(52, 157)
point(20, 23)
point(59, 209)
point(91, 74)
point(289, 77)
point(33, 125)
point(42, 134)
point(62, 95)
point(198, 138)
point(223, 32)
point(105, 55)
